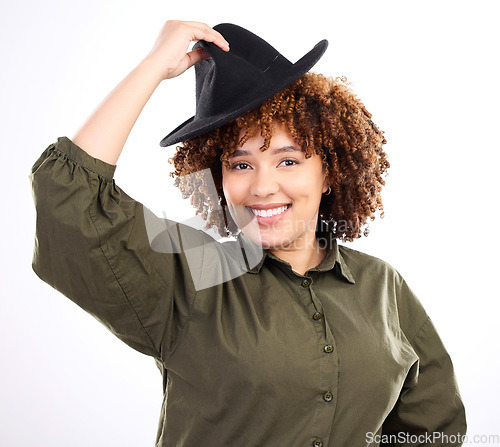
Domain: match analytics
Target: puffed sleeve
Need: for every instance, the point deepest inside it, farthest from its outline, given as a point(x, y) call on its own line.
point(429, 410)
point(92, 245)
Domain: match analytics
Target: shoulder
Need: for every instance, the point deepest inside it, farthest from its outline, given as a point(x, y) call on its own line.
point(378, 278)
point(366, 265)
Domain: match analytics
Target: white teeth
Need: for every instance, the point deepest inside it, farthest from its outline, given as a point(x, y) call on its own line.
point(269, 213)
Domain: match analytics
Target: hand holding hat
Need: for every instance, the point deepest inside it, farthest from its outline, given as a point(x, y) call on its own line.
point(170, 51)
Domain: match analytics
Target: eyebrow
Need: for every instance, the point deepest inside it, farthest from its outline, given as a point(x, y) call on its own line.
point(240, 152)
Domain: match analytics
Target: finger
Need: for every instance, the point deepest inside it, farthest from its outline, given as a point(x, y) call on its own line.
point(196, 56)
point(202, 31)
point(189, 59)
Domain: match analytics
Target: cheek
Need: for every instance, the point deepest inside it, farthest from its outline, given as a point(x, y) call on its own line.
point(310, 187)
point(311, 180)
point(234, 189)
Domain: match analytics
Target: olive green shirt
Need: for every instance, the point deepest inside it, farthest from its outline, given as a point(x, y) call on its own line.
point(342, 356)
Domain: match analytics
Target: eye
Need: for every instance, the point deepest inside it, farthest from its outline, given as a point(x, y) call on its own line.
point(289, 162)
point(241, 165)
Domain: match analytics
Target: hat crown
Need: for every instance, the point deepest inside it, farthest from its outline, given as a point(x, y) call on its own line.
point(250, 47)
point(250, 64)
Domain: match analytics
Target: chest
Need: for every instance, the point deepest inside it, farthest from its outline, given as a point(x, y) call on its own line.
point(271, 333)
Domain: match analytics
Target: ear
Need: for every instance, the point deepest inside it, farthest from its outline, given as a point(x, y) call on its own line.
point(326, 184)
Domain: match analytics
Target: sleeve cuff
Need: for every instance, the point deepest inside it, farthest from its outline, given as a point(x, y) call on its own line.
point(78, 155)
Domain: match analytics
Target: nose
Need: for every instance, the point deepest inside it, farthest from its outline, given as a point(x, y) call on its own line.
point(264, 183)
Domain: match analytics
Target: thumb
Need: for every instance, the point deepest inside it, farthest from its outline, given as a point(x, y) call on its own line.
point(197, 55)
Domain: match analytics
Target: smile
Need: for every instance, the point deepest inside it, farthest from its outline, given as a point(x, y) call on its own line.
point(270, 212)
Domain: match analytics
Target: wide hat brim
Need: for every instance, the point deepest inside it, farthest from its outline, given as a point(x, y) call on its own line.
point(198, 125)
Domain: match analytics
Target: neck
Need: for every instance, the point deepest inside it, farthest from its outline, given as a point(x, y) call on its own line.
point(301, 258)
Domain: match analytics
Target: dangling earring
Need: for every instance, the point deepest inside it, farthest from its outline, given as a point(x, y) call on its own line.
point(329, 190)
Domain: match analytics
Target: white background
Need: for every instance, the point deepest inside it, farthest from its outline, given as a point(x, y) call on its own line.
point(427, 70)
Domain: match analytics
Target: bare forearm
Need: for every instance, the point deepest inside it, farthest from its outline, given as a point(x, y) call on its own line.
point(105, 132)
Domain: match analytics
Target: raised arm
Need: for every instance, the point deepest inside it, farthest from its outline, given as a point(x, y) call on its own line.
point(105, 132)
point(92, 242)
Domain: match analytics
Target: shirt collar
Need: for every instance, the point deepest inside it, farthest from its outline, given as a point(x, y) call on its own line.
point(333, 259)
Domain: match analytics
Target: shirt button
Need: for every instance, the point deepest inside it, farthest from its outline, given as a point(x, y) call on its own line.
point(317, 443)
point(328, 396)
point(328, 349)
point(306, 282)
point(317, 316)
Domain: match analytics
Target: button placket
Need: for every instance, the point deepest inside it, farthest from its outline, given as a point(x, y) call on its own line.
point(328, 363)
point(326, 400)
point(301, 294)
point(318, 314)
point(326, 379)
point(328, 384)
point(311, 304)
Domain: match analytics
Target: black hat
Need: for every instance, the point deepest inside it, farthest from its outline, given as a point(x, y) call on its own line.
point(229, 84)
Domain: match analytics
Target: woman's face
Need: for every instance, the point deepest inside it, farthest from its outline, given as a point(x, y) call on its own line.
point(274, 195)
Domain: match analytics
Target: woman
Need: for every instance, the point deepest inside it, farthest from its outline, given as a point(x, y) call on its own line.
point(280, 337)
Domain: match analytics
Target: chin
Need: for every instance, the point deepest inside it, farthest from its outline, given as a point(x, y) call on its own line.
point(271, 242)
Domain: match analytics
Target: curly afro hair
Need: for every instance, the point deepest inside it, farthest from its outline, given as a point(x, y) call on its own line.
point(323, 115)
